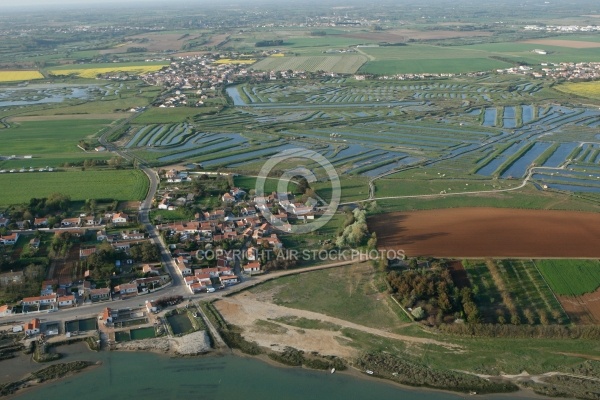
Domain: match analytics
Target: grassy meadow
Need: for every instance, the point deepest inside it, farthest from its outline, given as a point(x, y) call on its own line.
point(122, 185)
point(351, 293)
point(50, 142)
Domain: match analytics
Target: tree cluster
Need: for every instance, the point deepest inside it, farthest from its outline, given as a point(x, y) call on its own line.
point(146, 252)
point(269, 43)
point(355, 230)
point(433, 291)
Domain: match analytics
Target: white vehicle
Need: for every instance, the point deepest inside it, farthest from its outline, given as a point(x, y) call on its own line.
point(210, 289)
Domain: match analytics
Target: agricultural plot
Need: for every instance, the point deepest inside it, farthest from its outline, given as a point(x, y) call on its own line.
point(122, 185)
point(49, 142)
point(19, 76)
point(489, 232)
point(236, 61)
point(510, 288)
point(343, 64)
point(571, 277)
point(584, 89)
point(577, 283)
point(93, 70)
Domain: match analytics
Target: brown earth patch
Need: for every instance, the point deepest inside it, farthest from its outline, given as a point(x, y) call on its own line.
point(459, 274)
point(246, 308)
point(490, 232)
point(571, 44)
point(155, 42)
point(403, 35)
point(67, 270)
point(217, 39)
point(583, 309)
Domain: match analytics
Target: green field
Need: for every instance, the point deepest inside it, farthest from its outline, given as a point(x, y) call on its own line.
point(346, 64)
point(120, 185)
point(571, 277)
point(50, 143)
point(49, 137)
point(350, 293)
point(421, 58)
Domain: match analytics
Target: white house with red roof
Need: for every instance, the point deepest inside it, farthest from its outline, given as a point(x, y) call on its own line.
point(9, 239)
point(66, 301)
point(5, 310)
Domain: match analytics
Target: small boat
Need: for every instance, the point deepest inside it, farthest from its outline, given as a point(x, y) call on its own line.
point(332, 370)
point(369, 372)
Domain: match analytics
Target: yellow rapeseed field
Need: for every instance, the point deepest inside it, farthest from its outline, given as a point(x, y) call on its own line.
point(231, 61)
point(15, 76)
point(278, 55)
point(585, 89)
point(93, 72)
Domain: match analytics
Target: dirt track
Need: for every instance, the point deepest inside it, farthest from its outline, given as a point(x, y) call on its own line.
point(245, 309)
point(490, 232)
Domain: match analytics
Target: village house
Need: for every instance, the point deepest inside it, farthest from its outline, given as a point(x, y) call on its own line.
point(227, 198)
point(22, 224)
point(182, 268)
point(150, 282)
point(32, 327)
point(229, 280)
point(40, 300)
point(120, 218)
point(101, 235)
point(132, 235)
point(70, 222)
point(4, 222)
point(251, 253)
point(100, 294)
point(5, 310)
point(48, 287)
point(40, 222)
point(85, 253)
point(34, 243)
point(151, 269)
point(252, 267)
point(274, 241)
point(126, 289)
point(151, 306)
point(91, 221)
point(9, 239)
point(66, 301)
point(84, 288)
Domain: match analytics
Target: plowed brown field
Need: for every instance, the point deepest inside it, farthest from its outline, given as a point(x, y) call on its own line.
point(490, 232)
point(584, 309)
